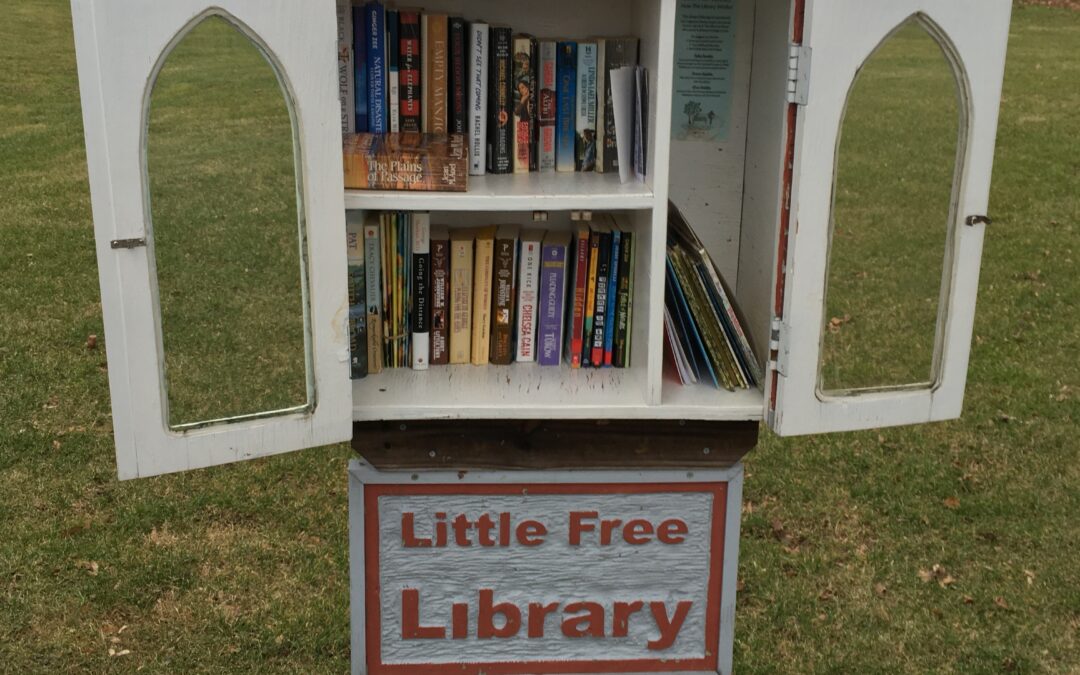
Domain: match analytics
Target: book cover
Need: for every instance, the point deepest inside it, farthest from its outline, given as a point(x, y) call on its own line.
point(503, 295)
point(375, 36)
point(461, 294)
point(624, 300)
point(440, 295)
point(373, 282)
point(524, 102)
point(528, 285)
point(345, 66)
point(700, 313)
point(693, 345)
point(457, 112)
point(409, 70)
point(483, 268)
point(580, 270)
point(435, 71)
point(566, 105)
point(477, 99)
point(615, 53)
point(393, 60)
point(545, 113)
point(585, 140)
point(590, 296)
point(360, 69)
point(500, 102)
point(556, 249)
point(354, 252)
point(425, 162)
point(612, 296)
point(603, 272)
point(421, 290)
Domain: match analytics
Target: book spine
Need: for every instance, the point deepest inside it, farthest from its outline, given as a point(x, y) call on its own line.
point(421, 290)
point(461, 292)
point(545, 118)
point(478, 96)
point(409, 70)
point(375, 35)
point(630, 303)
point(435, 76)
point(603, 270)
point(387, 261)
point(524, 87)
point(502, 316)
point(612, 297)
point(581, 273)
point(483, 260)
point(641, 122)
point(585, 144)
point(624, 300)
point(566, 105)
point(618, 53)
point(354, 250)
point(527, 299)
point(440, 301)
point(552, 304)
point(380, 162)
point(360, 87)
point(590, 298)
point(457, 122)
point(500, 112)
point(534, 108)
point(393, 60)
point(345, 66)
point(373, 275)
point(601, 76)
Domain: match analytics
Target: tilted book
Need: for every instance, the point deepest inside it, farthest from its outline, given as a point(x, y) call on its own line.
point(503, 297)
point(579, 267)
point(566, 105)
point(373, 277)
point(614, 53)
point(461, 294)
point(585, 144)
point(375, 36)
point(393, 59)
point(528, 285)
point(483, 267)
point(553, 273)
point(435, 71)
point(545, 113)
point(409, 70)
point(426, 162)
point(354, 252)
point(421, 290)
point(457, 114)
point(478, 94)
point(524, 88)
point(500, 102)
point(440, 295)
point(360, 69)
point(345, 66)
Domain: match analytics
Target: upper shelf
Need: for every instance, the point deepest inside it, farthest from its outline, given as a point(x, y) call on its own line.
point(516, 192)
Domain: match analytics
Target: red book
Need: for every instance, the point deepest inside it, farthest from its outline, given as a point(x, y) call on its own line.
point(409, 71)
point(580, 265)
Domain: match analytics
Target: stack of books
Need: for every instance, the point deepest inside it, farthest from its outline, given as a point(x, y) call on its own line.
point(704, 338)
point(426, 295)
point(520, 103)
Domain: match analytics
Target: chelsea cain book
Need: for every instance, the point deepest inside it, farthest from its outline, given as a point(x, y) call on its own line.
point(421, 290)
point(461, 294)
point(478, 98)
point(434, 71)
point(502, 316)
point(545, 113)
point(457, 113)
point(528, 294)
point(428, 162)
point(611, 53)
point(409, 70)
point(565, 104)
point(354, 252)
point(373, 274)
point(440, 295)
point(524, 106)
point(585, 145)
point(500, 102)
point(483, 264)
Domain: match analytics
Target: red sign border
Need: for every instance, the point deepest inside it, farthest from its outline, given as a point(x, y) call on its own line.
point(373, 624)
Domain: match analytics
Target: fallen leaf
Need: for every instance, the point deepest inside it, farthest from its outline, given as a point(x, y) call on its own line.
point(740, 585)
point(90, 566)
point(936, 573)
point(837, 321)
point(1000, 602)
point(56, 444)
point(825, 595)
point(951, 502)
point(968, 600)
point(1030, 577)
point(91, 342)
point(279, 639)
point(880, 590)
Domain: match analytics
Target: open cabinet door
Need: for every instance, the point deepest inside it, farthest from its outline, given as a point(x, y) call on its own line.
point(121, 46)
point(838, 39)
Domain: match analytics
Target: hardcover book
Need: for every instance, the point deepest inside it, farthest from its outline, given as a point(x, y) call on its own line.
point(435, 71)
point(440, 295)
point(585, 143)
point(461, 294)
point(545, 114)
point(457, 113)
point(613, 53)
point(553, 297)
point(612, 298)
point(429, 162)
point(500, 102)
point(375, 37)
point(478, 95)
point(580, 271)
point(528, 284)
point(524, 101)
point(603, 272)
point(345, 66)
point(393, 59)
point(590, 296)
point(483, 267)
point(421, 290)
point(409, 70)
point(503, 296)
point(566, 105)
point(354, 252)
point(624, 301)
point(373, 282)
point(360, 69)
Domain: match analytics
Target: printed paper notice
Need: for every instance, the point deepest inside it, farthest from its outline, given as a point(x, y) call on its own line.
point(704, 49)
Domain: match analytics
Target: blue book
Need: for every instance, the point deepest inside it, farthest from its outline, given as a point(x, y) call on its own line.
point(696, 344)
point(565, 105)
point(375, 24)
point(360, 70)
point(612, 294)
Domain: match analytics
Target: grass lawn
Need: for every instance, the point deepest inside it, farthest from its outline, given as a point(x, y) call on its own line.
point(951, 547)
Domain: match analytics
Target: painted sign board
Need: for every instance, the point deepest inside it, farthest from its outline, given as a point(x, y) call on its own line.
point(515, 573)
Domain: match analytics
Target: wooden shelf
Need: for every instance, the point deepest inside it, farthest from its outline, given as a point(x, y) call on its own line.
point(516, 192)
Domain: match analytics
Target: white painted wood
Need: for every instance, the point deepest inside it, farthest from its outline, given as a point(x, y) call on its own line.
point(120, 46)
point(842, 35)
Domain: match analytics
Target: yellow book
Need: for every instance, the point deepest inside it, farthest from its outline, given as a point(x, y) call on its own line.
point(483, 265)
point(461, 293)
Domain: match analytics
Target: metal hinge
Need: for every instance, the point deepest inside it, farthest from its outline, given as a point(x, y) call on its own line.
point(778, 343)
point(798, 86)
point(128, 243)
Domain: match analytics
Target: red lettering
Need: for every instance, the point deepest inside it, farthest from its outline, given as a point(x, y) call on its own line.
point(408, 536)
point(590, 624)
point(636, 532)
point(537, 615)
point(672, 531)
point(669, 628)
point(606, 528)
point(483, 530)
point(577, 526)
point(440, 530)
point(461, 530)
point(485, 621)
point(410, 619)
point(460, 623)
point(621, 617)
point(531, 533)
point(504, 529)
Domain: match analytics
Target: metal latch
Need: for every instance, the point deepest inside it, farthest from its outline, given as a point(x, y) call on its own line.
point(128, 243)
point(978, 220)
point(798, 86)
